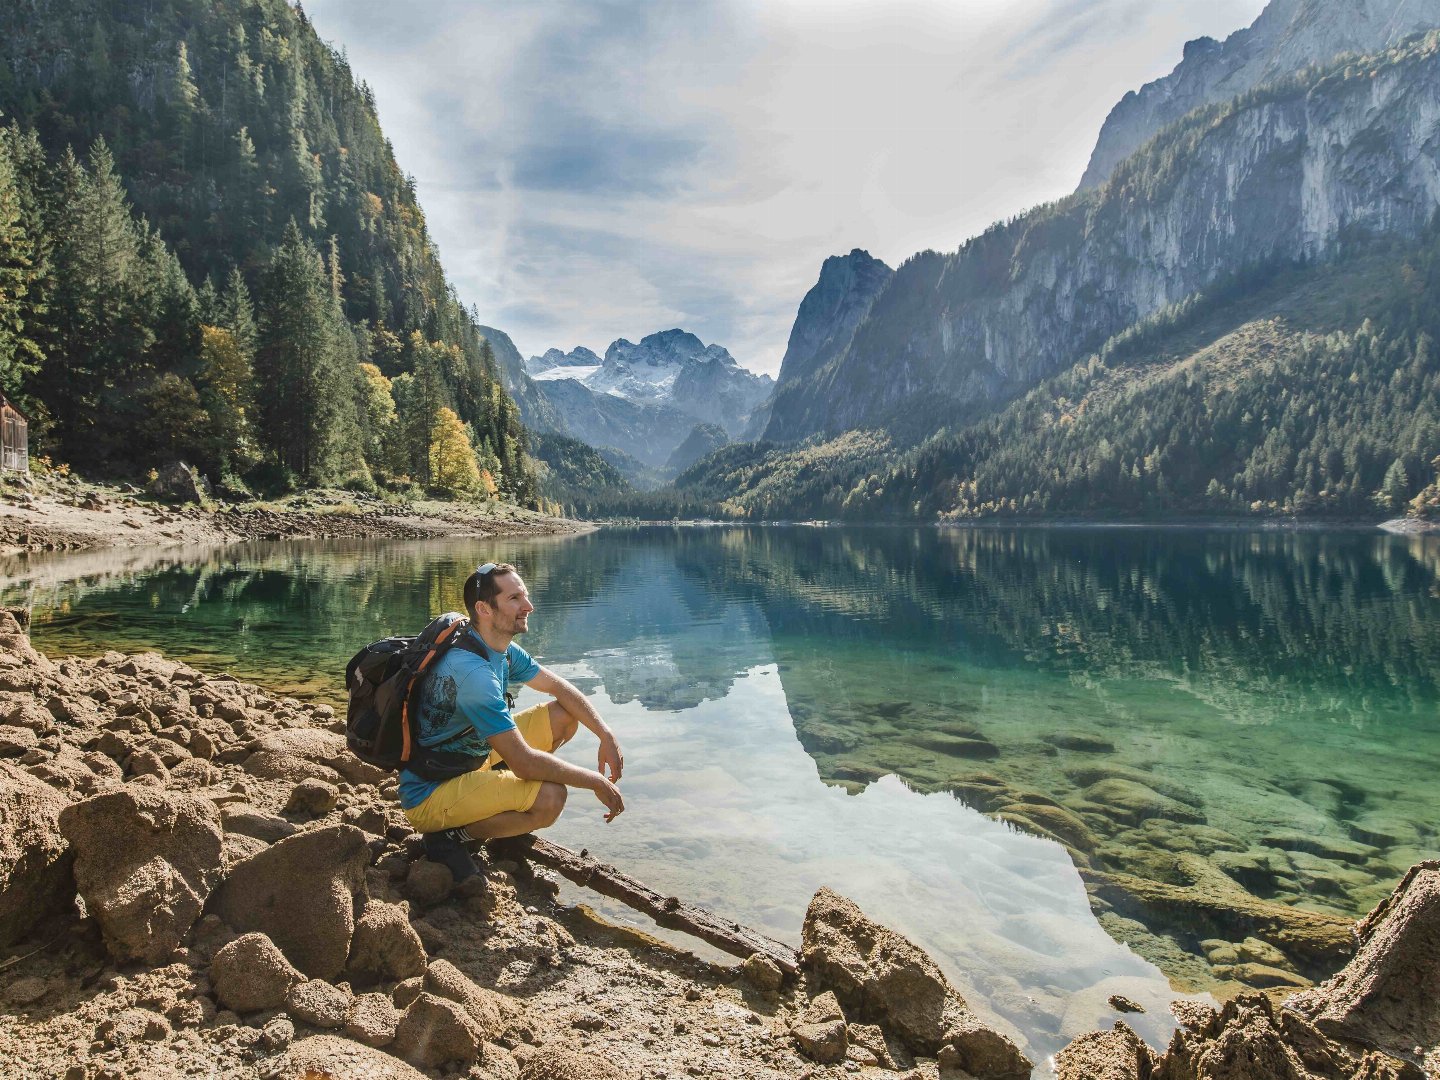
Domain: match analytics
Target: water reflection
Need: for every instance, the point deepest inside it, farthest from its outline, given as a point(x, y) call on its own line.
point(1108, 697)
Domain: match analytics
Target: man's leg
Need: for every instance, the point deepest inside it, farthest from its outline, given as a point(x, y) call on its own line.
point(545, 811)
point(548, 803)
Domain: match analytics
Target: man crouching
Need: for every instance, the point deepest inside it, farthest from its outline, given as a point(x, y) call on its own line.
point(464, 708)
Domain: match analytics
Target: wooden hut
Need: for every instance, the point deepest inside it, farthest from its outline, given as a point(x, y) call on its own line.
point(14, 438)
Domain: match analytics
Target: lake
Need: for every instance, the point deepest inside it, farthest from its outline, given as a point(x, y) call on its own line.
point(948, 726)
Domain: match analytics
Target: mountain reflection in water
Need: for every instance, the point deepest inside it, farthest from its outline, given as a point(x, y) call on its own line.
point(838, 706)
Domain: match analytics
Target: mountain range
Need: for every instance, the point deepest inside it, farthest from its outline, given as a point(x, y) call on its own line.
point(645, 399)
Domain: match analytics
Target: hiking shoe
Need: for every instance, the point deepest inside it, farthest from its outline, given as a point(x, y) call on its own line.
point(447, 850)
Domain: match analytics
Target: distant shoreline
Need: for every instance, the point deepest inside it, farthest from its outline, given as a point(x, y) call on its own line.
point(69, 514)
point(1395, 526)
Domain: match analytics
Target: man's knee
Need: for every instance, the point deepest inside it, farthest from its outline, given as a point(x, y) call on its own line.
point(549, 802)
point(562, 725)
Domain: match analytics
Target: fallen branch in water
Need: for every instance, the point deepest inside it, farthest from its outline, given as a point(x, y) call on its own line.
point(669, 911)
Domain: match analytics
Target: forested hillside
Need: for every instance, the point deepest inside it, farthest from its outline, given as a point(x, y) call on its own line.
point(1308, 391)
point(208, 250)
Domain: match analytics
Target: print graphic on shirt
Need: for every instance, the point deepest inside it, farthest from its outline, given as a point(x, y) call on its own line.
point(437, 716)
point(442, 704)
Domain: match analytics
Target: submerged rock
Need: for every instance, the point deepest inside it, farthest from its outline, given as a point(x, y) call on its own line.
point(1212, 905)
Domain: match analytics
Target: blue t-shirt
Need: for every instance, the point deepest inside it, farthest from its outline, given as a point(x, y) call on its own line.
point(462, 704)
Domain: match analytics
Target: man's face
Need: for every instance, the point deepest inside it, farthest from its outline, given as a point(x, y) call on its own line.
point(510, 607)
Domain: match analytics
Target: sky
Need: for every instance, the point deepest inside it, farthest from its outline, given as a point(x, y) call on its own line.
point(597, 170)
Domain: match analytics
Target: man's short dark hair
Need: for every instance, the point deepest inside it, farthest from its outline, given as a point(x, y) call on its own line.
point(480, 586)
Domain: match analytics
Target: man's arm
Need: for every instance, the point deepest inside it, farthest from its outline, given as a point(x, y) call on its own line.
point(610, 760)
point(530, 764)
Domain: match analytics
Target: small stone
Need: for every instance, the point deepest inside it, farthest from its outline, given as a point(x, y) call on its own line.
point(26, 991)
point(762, 972)
point(406, 991)
point(385, 945)
point(312, 796)
point(822, 1009)
point(277, 1034)
point(825, 1042)
point(436, 1033)
point(373, 1020)
point(1120, 1003)
point(563, 1063)
point(318, 1003)
point(250, 974)
point(428, 883)
point(485, 1008)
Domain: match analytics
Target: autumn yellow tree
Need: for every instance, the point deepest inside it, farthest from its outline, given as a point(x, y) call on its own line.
point(378, 419)
point(452, 458)
point(224, 382)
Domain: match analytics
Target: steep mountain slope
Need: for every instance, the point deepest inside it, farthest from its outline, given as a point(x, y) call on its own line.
point(536, 412)
point(826, 320)
point(1294, 171)
point(1289, 35)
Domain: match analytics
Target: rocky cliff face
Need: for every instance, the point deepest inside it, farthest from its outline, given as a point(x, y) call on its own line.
point(1289, 35)
point(536, 412)
point(828, 316)
point(1284, 173)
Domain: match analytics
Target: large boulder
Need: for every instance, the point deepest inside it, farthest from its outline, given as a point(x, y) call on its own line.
point(327, 1056)
point(303, 892)
point(145, 862)
point(884, 978)
point(35, 860)
point(436, 1033)
point(308, 753)
point(250, 973)
point(487, 1009)
point(1388, 996)
point(179, 483)
point(1117, 1054)
point(385, 945)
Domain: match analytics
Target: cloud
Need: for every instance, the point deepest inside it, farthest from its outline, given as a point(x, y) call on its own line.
point(598, 170)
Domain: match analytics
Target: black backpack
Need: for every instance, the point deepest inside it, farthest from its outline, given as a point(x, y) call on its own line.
point(384, 680)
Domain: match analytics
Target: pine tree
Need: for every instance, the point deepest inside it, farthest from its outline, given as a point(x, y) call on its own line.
point(19, 353)
point(102, 325)
point(295, 360)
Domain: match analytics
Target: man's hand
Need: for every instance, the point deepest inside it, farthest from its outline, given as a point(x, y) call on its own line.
point(610, 761)
point(609, 794)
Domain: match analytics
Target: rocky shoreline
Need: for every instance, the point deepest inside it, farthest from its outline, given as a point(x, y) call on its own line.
point(196, 878)
point(65, 513)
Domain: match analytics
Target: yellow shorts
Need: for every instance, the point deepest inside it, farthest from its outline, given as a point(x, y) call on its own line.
point(483, 793)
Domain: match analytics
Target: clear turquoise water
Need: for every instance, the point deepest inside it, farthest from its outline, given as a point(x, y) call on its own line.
point(795, 703)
